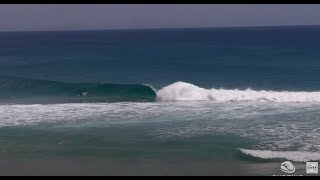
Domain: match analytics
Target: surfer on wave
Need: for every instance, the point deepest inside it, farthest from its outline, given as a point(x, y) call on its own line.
point(82, 94)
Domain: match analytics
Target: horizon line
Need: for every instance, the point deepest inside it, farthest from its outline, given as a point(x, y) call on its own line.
point(164, 28)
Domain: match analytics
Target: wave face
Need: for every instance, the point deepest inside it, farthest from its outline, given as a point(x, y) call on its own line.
point(26, 88)
point(20, 88)
point(288, 155)
point(181, 91)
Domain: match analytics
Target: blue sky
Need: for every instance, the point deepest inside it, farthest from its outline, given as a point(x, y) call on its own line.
point(136, 16)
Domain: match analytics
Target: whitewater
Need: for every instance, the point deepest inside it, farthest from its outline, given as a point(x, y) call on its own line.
point(297, 156)
point(182, 91)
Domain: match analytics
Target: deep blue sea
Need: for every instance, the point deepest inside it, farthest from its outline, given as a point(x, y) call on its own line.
point(208, 101)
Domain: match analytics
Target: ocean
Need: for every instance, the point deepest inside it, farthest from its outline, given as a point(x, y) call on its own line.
point(203, 101)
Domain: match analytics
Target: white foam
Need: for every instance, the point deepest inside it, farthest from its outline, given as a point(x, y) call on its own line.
point(181, 91)
point(288, 155)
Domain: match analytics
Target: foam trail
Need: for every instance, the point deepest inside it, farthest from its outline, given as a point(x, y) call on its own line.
point(181, 91)
point(288, 155)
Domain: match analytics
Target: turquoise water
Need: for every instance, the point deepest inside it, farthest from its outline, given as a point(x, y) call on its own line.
point(224, 101)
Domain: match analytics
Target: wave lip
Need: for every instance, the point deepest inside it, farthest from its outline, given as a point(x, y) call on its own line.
point(297, 156)
point(181, 91)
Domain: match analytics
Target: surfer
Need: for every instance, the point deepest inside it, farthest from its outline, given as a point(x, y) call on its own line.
point(82, 94)
point(11, 97)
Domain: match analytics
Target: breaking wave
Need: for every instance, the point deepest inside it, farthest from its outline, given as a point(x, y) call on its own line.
point(297, 156)
point(181, 91)
point(178, 91)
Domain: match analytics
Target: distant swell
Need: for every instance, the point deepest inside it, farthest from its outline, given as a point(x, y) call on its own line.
point(288, 155)
point(181, 91)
